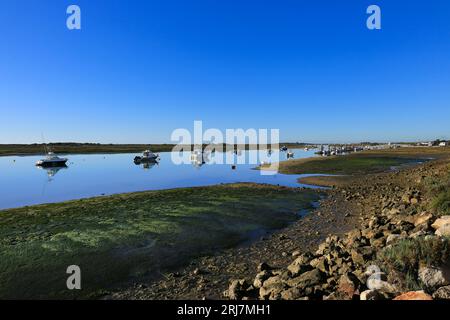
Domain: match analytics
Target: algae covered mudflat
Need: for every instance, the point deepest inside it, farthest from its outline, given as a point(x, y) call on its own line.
point(123, 237)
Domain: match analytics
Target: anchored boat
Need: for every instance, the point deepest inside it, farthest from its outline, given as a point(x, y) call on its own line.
point(147, 157)
point(52, 160)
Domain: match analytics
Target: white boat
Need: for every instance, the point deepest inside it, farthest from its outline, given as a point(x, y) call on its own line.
point(290, 154)
point(147, 156)
point(52, 160)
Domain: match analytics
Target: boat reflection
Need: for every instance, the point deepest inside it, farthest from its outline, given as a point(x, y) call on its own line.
point(52, 171)
point(147, 165)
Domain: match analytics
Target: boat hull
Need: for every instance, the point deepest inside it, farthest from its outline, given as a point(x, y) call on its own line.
point(50, 164)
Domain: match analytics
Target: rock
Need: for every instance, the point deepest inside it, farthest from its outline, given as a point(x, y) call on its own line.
point(414, 295)
point(392, 238)
point(347, 286)
point(320, 263)
point(261, 277)
point(423, 218)
point(371, 295)
point(263, 266)
point(237, 289)
point(296, 253)
point(433, 278)
point(353, 237)
point(362, 255)
point(272, 288)
point(291, 294)
point(441, 222)
point(322, 248)
point(307, 279)
point(406, 198)
point(418, 234)
point(442, 293)
point(304, 258)
point(443, 231)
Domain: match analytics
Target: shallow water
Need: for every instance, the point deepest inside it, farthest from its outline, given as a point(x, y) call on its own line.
point(22, 183)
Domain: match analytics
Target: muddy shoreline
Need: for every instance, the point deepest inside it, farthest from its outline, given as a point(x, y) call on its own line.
point(207, 277)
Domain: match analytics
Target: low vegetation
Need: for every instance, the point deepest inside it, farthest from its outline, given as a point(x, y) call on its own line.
point(119, 238)
point(343, 165)
point(404, 258)
point(438, 189)
point(79, 148)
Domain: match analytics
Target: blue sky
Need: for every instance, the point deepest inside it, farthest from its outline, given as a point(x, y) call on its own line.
point(139, 69)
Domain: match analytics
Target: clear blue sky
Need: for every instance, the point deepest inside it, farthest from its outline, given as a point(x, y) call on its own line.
point(139, 69)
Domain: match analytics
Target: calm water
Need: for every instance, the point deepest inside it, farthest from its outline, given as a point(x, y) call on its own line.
point(22, 183)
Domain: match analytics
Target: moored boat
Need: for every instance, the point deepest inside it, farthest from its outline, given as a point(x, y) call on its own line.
point(52, 160)
point(147, 156)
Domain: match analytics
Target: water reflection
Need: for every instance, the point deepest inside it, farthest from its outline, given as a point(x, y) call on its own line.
point(146, 165)
point(52, 171)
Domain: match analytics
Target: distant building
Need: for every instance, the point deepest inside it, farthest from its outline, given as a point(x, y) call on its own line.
point(443, 144)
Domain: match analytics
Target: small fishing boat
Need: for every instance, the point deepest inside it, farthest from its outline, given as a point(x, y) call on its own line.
point(147, 156)
point(51, 160)
point(283, 148)
point(290, 154)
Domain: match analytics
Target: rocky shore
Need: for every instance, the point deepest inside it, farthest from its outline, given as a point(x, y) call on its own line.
point(400, 250)
point(373, 237)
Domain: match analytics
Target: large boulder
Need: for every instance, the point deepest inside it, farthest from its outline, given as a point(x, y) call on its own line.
point(441, 222)
point(433, 277)
point(443, 231)
point(414, 295)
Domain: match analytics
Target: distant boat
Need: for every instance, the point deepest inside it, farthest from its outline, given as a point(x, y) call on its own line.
point(306, 149)
point(290, 154)
point(147, 157)
point(283, 148)
point(51, 160)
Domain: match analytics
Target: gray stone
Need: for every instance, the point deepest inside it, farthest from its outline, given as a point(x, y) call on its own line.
point(433, 277)
point(442, 293)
